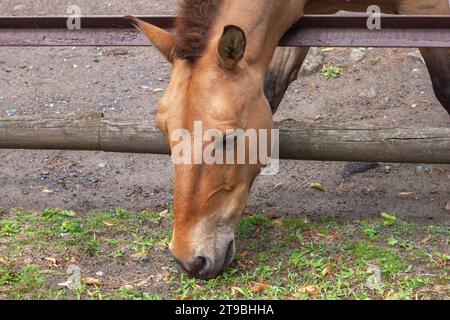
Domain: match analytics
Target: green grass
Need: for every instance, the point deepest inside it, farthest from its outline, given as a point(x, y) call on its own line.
point(331, 71)
point(287, 258)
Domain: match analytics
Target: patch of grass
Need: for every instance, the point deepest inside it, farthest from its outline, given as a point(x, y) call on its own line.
point(249, 224)
point(9, 228)
point(24, 281)
point(387, 259)
point(287, 258)
point(331, 71)
point(49, 213)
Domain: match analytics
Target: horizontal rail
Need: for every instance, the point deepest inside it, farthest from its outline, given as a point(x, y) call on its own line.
point(298, 141)
point(311, 30)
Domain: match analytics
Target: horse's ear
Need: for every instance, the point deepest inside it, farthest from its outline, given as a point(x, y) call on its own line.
point(162, 40)
point(232, 46)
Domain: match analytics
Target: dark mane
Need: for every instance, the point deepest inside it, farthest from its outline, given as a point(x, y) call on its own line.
point(194, 22)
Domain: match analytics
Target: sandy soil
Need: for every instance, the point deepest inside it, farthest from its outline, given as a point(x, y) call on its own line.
point(387, 88)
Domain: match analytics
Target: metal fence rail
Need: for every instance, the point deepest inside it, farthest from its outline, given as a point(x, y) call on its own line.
point(312, 30)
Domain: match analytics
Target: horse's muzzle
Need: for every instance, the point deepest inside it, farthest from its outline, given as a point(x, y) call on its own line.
point(204, 267)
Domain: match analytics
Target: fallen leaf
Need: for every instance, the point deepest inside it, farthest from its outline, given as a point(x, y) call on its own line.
point(137, 256)
point(244, 254)
point(326, 271)
point(52, 260)
point(157, 90)
point(442, 288)
point(278, 222)
point(260, 287)
point(317, 186)
point(111, 223)
point(241, 265)
point(166, 277)
point(4, 261)
point(392, 241)
point(237, 292)
point(127, 287)
point(407, 194)
point(163, 213)
point(327, 236)
point(92, 282)
point(426, 239)
point(311, 290)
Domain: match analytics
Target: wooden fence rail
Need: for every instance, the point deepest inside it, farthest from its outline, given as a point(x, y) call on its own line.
point(298, 141)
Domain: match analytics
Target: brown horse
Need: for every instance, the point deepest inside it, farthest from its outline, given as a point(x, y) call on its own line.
point(221, 52)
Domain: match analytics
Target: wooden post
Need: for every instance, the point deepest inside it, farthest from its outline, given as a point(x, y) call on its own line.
point(298, 141)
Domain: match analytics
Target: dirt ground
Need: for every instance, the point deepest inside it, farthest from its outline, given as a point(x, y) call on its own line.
point(388, 87)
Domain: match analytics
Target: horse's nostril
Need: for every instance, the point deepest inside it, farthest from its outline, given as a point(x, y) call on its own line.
point(197, 265)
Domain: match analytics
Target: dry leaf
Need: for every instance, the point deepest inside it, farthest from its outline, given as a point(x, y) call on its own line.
point(242, 265)
point(326, 271)
point(237, 292)
point(260, 287)
point(164, 213)
point(4, 261)
point(442, 288)
point(52, 260)
point(311, 290)
point(278, 222)
point(426, 239)
point(127, 287)
point(92, 282)
point(157, 90)
point(111, 223)
point(244, 254)
point(407, 194)
point(317, 186)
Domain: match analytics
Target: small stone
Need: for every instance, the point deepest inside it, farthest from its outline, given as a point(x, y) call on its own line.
point(313, 62)
point(357, 55)
point(447, 207)
point(416, 57)
point(93, 179)
point(422, 169)
point(369, 93)
point(100, 274)
point(102, 165)
point(387, 169)
point(157, 90)
point(407, 195)
point(144, 259)
point(19, 7)
point(375, 280)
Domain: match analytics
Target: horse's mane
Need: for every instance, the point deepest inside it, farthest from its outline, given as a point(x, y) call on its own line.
point(193, 25)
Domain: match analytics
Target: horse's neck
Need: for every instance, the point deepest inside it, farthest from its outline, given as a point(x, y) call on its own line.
point(264, 21)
